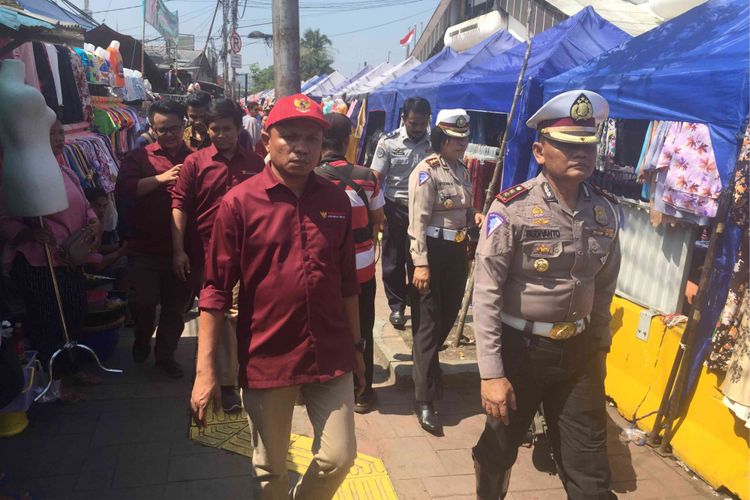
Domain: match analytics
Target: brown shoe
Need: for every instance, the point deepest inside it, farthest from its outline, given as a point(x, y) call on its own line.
point(170, 368)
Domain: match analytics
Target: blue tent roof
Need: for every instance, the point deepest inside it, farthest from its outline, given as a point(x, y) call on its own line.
point(53, 11)
point(488, 81)
point(312, 81)
point(692, 68)
point(423, 81)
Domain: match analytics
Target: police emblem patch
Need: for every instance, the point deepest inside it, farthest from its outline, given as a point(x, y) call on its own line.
point(600, 215)
point(494, 221)
point(380, 153)
point(424, 176)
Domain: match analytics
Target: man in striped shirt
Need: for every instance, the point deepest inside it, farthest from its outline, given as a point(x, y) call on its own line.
point(367, 200)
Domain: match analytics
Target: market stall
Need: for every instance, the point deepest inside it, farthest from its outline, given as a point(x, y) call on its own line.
point(679, 103)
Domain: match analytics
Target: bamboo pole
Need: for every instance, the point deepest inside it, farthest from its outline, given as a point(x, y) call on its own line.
point(688, 343)
point(492, 188)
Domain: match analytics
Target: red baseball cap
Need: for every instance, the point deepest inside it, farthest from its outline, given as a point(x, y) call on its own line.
point(295, 107)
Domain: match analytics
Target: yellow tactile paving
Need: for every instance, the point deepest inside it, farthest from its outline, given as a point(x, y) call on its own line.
point(367, 480)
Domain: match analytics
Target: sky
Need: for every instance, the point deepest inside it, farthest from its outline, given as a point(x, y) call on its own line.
point(361, 30)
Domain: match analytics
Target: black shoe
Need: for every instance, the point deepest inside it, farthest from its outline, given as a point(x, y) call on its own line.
point(230, 400)
point(428, 418)
point(141, 351)
point(365, 402)
point(170, 368)
point(398, 320)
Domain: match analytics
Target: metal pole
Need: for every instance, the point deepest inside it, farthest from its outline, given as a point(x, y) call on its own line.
point(143, 42)
point(245, 89)
point(286, 74)
point(492, 188)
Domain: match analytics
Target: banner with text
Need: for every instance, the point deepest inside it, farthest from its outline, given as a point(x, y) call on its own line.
point(164, 21)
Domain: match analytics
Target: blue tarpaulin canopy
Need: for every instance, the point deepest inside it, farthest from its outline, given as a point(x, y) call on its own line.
point(54, 11)
point(694, 68)
point(488, 81)
point(423, 81)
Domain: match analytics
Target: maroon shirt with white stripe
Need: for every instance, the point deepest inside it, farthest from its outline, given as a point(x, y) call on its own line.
point(365, 178)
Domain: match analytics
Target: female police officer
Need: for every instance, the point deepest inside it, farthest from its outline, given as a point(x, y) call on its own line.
point(440, 212)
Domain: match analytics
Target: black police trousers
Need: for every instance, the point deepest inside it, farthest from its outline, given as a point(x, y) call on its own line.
point(396, 261)
point(433, 314)
point(567, 377)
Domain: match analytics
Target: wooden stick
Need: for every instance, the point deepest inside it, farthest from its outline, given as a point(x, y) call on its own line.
point(492, 188)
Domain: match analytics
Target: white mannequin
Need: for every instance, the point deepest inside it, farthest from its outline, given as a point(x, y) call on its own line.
point(32, 182)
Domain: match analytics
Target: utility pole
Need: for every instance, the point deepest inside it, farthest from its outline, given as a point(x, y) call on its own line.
point(224, 48)
point(234, 30)
point(286, 77)
point(245, 96)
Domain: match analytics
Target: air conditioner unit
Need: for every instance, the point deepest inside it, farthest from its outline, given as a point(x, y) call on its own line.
point(467, 34)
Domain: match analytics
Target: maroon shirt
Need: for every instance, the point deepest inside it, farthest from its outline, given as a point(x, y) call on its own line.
point(204, 179)
point(150, 216)
point(294, 259)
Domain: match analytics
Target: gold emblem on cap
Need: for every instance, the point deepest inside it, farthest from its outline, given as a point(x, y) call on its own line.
point(302, 105)
point(448, 203)
point(541, 265)
point(461, 122)
point(582, 109)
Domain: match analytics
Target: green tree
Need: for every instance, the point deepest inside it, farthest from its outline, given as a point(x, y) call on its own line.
point(262, 78)
point(315, 54)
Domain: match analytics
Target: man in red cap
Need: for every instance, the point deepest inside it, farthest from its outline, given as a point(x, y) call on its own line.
point(286, 236)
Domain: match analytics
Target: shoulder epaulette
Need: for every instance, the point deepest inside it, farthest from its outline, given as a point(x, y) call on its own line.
point(512, 193)
point(433, 162)
point(604, 193)
point(392, 134)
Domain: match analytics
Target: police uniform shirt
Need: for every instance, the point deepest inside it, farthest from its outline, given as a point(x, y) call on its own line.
point(541, 261)
point(438, 196)
point(395, 158)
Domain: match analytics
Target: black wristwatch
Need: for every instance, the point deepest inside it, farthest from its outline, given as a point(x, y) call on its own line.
point(360, 345)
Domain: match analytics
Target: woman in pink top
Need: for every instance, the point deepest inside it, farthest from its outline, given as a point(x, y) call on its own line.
point(25, 257)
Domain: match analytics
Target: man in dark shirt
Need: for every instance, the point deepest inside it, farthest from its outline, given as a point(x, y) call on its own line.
point(286, 236)
point(196, 135)
point(144, 186)
point(204, 180)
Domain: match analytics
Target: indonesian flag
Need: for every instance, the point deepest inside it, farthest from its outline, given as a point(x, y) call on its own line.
point(409, 36)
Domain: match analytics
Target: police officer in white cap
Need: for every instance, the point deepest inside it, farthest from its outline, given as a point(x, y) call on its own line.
point(440, 213)
point(546, 270)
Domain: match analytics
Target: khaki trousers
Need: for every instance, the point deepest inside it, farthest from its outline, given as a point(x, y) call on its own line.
point(330, 406)
point(227, 366)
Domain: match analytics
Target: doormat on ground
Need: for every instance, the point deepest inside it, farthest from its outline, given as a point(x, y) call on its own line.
point(367, 479)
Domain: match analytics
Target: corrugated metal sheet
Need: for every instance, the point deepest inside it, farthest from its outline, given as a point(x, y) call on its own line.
point(655, 260)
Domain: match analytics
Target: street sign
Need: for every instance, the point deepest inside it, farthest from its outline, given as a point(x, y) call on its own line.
point(235, 61)
point(235, 43)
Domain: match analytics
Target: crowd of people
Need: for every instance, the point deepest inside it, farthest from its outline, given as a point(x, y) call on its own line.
point(259, 214)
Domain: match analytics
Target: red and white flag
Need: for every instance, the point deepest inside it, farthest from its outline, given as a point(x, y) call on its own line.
point(409, 36)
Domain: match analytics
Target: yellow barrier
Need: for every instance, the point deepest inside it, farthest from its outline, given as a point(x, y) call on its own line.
point(710, 439)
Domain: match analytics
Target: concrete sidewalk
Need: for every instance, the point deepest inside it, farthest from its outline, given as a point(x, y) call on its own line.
point(129, 440)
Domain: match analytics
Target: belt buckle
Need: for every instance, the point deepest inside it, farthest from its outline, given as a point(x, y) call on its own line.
point(460, 235)
point(563, 331)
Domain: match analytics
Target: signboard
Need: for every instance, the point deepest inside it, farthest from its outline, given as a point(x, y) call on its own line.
point(186, 42)
point(164, 21)
point(235, 61)
point(235, 43)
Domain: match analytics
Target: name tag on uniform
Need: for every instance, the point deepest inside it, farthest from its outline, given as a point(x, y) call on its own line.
point(541, 234)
